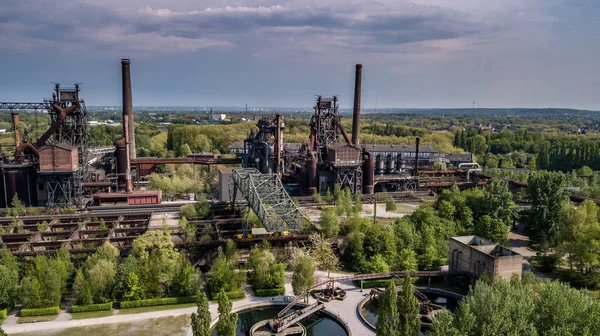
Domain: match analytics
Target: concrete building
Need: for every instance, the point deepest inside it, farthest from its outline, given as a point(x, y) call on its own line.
point(225, 184)
point(476, 256)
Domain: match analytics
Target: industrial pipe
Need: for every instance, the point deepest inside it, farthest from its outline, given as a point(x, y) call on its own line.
point(62, 115)
point(417, 158)
point(15, 119)
point(356, 109)
point(344, 134)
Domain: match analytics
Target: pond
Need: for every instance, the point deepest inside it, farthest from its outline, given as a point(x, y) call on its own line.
point(316, 325)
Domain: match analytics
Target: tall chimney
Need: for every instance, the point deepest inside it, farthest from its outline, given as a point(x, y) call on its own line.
point(127, 117)
point(15, 119)
point(356, 108)
point(417, 158)
point(128, 105)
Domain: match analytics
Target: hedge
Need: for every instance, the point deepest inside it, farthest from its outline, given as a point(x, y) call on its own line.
point(269, 291)
point(3, 313)
point(93, 307)
point(374, 283)
point(40, 311)
point(236, 294)
point(157, 302)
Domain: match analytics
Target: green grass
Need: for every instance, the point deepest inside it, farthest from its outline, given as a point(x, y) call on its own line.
point(86, 315)
point(163, 326)
point(595, 293)
point(32, 319)
point(154, 308)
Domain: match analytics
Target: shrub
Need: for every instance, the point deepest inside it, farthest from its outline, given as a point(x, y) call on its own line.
point(375, 283)
point(157, 302)
point(91, 308)
point(269, 291)
point(578, 280)
point(3, 313)
point(40, 311)
point(236, 294)
point(546, 263)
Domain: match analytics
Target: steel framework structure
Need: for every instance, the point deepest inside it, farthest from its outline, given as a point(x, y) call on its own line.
point(63, 188)
point(268, 199)
point(324, 121)
point(350, 177)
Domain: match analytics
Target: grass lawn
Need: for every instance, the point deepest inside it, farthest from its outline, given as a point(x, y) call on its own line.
point(595, 293)
point(164, 326)
point(155, 308)
point(86, 315)
point(31, 319)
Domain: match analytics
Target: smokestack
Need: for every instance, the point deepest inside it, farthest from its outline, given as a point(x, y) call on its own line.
point(15, 119)
point(356, 109)
point(417, 158)
point(127, 116)
point(128, 105)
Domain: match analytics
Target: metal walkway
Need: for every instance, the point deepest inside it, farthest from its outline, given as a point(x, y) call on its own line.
point(268, 199)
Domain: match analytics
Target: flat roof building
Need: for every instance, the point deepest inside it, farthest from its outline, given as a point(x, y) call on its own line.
point(477, 256)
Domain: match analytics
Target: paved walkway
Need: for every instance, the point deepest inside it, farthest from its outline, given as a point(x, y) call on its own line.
point(346, 310)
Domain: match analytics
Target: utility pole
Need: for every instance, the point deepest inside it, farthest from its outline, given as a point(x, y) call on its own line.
point(246, 114)
point(473, 104)
point(375, 104)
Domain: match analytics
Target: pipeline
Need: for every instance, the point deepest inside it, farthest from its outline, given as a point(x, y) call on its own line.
point(62, 115)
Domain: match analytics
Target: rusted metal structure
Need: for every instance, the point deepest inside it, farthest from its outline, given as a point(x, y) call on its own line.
point(50, 187)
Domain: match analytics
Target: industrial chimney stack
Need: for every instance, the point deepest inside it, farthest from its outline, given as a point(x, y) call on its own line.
point(128, 130)
point(15, 119)
point(356, 108)
point(128, 105)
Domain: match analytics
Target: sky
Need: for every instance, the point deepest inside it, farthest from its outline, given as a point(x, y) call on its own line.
point(415, 53)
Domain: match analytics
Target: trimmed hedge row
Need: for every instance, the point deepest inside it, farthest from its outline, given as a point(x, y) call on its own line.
point(269, 291)
point(91, 308)
point(40, 311)
point(3, 313)
point(157, 302)
point(374, 283)
point(237, 294)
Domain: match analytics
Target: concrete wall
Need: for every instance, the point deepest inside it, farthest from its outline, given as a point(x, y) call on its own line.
point(224, 182)
point(476, 260)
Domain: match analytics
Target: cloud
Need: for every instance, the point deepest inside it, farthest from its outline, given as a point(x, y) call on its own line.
point(294, 25)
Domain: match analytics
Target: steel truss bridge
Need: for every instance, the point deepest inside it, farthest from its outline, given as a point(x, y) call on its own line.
point(268, 199)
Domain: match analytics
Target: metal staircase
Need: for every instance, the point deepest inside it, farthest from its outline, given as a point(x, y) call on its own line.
point(268, 199)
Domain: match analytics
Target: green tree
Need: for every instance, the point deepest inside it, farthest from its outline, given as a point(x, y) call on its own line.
point(329, 223)
point(358, 208)
point(303, 277)
point(546, 193)
point(377, 264)
point(328, 197)
point(497, 201)
point(408, 309)
point(188, 230)
point(202, 206)
point(388, 318)
point(201, 318)
point(101, 277)
point(83, 295)
point(9, 278)
point(223, 276)
point(390, 205)
point(227, 324)
point(18, 206)
point(132, 287)
point(323, 254)
point(188, 211)
point(492, 229)
point(231, 251)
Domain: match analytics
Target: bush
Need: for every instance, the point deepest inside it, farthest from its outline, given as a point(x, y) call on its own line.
point(236, 294)
point(3, 313)
point(157, 302)
point(40, 311)
point(545, 263)
point(269, 291)
point(578, 280)
point(93, 307)
point(375, 283)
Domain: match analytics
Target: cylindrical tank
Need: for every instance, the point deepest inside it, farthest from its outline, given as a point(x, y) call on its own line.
point(368, 173)
point(389, 165)
point(121, 153)
point(380, 165)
